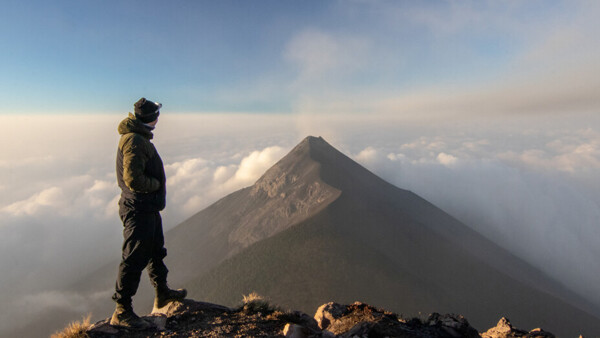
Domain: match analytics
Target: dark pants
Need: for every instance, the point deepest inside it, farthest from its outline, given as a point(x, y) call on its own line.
point(143, 247)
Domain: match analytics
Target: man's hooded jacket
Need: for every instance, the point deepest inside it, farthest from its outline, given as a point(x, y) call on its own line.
point(140, 171)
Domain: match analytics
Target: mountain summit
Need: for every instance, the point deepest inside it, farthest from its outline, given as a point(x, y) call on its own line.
point(288, 192)
point(257, 318)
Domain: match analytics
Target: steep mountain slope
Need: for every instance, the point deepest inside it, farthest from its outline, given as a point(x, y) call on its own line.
point(287, 193)
point(380, 244)
point(317, 261)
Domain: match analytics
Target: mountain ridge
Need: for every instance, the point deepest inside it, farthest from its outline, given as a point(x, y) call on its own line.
point(257, 317)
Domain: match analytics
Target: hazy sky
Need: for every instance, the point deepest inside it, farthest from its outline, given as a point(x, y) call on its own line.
point(488, 109)
point(294, 56)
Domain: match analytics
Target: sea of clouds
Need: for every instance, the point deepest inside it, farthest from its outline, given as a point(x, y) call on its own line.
point(529, 184)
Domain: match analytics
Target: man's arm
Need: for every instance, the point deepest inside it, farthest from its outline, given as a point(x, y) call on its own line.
point(135, 156)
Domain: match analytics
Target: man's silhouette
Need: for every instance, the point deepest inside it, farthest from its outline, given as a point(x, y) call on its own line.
point(141, 177)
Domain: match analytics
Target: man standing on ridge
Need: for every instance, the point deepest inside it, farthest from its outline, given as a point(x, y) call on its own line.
point(141, 177)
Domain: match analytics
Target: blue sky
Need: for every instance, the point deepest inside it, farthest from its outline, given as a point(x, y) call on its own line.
point(268, 56)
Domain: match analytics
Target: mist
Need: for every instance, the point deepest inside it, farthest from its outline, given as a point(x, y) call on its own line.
point(534, 192)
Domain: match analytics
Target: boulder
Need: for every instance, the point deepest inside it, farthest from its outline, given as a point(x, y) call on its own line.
point(539, 333)
point(358, 320)
point(329, 313)
point(305, 320)
point(187, 306)
point(159, 321)
point(295, 331)
point(362, 329)
point(504, 329)
point(453, 325)
point(103, 327)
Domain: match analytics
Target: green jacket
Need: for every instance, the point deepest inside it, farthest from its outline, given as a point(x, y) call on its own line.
point(140, 171)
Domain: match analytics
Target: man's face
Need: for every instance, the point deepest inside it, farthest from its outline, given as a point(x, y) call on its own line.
point(153, 123)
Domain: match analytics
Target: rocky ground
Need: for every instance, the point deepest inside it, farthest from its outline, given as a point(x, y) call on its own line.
point(257, 318)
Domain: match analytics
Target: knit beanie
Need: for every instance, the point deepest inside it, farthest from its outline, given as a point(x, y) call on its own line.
point(146, 111)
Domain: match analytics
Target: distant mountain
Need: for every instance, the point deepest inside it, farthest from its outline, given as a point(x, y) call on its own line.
point(318, 227)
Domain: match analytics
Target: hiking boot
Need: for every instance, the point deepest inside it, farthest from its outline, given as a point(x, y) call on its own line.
point(125, 317)
point(164, 296)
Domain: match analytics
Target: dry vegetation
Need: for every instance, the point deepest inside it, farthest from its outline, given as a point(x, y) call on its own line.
point(77, 329)
point(254, 302)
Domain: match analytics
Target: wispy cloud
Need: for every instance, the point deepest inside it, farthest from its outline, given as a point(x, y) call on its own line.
point(194, 183)
point(470, 58)
point(321, 56)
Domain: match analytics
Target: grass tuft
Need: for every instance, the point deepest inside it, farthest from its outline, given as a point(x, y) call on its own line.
point(252, 297)
point(254, 302)
point(77, 329)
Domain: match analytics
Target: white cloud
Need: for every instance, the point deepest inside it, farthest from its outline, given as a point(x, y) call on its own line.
point(531, 203)
point(194, 183)
point(74, 197)
point(396, 157)
point(315, 52)
point(254, 165)
point(318, 54)
point(49, 198)
point(532, 59)
point(185, 171)
point(30, 306)
point(367, 155)
point(446, 159)
point(223, 173)
point(52, 300)
point(570, 154)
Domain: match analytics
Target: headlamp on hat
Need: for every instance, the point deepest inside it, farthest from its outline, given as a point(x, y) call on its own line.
point(146, 111)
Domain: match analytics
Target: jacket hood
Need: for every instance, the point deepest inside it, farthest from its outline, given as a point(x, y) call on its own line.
point(132, 125)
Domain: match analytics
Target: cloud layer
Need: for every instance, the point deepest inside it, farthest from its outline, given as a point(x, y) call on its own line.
point(58, 210)
point(534, 206)
point(529, 184)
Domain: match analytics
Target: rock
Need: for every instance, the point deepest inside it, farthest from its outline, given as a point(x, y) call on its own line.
point(327, 334)
point(159, 321)
point(187, 306)
point(295, 331)
point(359, 320)
point(504, 329)
point(501, 330)
point(305, 320)
point(454, 325)
point(189, 318)
point(328, 313)
point(103, 327)
point(539, 333)
point(168, 310)
point(362, 329)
